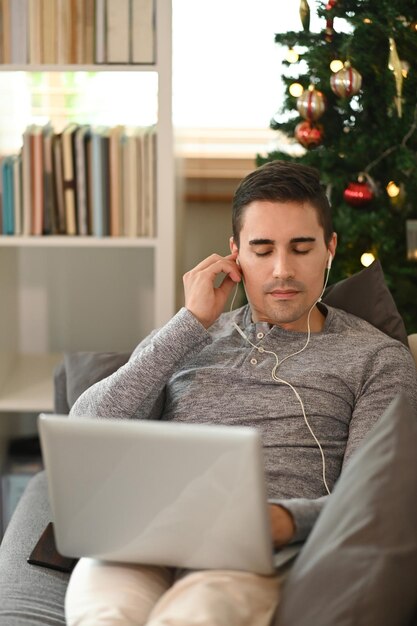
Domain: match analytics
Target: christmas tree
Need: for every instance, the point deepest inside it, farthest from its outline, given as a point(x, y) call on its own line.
point(355, 116)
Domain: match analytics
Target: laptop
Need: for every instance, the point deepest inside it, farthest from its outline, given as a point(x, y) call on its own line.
point(160, 493)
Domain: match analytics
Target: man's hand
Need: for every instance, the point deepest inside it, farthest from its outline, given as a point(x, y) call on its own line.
point(282, 525)
point(204, 300)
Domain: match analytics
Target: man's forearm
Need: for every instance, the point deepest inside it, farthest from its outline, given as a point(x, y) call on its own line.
point(136, 388)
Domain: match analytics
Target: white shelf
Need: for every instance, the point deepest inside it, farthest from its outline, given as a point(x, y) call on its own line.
point(128, 67)
point(75, 293)
point(61, 241)
point(28, 386)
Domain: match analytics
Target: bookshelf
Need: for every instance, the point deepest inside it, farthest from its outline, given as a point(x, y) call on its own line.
point(67, 293)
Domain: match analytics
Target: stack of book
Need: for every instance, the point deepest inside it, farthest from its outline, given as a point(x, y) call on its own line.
point(77, 31)
point(86, 180)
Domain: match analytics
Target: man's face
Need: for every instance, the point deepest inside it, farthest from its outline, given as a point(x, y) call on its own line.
point(283, 257)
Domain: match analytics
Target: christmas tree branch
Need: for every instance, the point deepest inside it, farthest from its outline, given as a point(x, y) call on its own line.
point(388, 151)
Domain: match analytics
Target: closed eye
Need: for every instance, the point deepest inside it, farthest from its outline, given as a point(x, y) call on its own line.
point(301, 251)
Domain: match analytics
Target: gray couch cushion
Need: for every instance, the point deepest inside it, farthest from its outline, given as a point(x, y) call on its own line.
point(29, 595)
point(83, 369)
point(367, 296)
point(359, 564)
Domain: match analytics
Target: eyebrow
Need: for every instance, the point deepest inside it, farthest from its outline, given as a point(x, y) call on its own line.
point(262, 241)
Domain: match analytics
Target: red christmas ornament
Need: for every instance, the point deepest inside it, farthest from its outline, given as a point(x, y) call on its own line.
point(309, 135)
point(358, 194)
point(311, 104)
point(346, 82)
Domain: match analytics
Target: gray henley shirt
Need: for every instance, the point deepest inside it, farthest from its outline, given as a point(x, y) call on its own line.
point(346, 377)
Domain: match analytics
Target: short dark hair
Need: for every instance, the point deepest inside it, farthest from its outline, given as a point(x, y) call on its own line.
point(282, 181)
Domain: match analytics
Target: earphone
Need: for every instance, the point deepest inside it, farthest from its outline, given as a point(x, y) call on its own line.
point(276, 378)
point(329, 261)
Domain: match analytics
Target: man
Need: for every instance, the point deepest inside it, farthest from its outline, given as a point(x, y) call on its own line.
point(313, 379)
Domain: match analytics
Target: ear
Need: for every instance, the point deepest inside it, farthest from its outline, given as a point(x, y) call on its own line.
point(233, 246)
point(332, 245)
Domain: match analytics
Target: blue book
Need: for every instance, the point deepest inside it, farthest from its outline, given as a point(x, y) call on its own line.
point(8, 203)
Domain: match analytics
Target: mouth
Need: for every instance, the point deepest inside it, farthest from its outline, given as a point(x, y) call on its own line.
point(284, 294)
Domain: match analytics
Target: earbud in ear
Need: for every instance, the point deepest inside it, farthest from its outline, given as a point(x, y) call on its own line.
point(237, 261)
point(329, 262)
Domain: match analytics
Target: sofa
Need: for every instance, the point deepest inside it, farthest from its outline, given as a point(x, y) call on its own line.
point(358, 567)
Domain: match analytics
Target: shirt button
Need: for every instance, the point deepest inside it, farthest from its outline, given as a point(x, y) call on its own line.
point(254, 361)
point(260, 335)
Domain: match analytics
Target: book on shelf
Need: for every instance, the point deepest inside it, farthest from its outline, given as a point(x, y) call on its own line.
point(89, 35)
point(7, 197)
point(115, 165)
point(49, 207)
point(69, 177)
point(117, 25)
point(130, 183)
point(82, 139)
point(34, 34)
point(70, 32)
point(143, 31)
point(100, 32)
point(17, 194)
point(48, 32)
point(100, 180)
point(36, 174)
point(5, 43)
point(26, 184)
point(84, 181)
point(19, 53)
point(58, 184)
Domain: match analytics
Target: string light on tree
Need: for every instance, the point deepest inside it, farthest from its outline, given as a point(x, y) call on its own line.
point(296, 89)
point(336, 65)
point(292, 55)
point(392, 189)
point(367, 259)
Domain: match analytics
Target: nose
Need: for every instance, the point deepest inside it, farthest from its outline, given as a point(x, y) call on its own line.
point(283, 268)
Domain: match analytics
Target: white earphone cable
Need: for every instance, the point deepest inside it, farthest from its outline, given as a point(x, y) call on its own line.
point(278, 363)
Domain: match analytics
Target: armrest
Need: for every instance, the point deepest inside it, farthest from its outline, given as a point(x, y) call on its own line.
point(29, 595)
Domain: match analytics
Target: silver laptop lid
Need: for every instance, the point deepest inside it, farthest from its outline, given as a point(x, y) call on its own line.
point(162, 493)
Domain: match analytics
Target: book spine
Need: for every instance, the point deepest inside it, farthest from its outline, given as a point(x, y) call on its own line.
point(117, 29)
point(35, 32)
point(7, 208)
point(17, 194)
point(100, 24)
point(37, 181)
point(19, 31)
point(143, 31)
point(27, 182)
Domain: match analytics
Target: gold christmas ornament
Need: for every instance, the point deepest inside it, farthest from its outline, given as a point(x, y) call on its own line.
point(346, 82)
point(305, 14)
point(311, 104)
point(394, 64)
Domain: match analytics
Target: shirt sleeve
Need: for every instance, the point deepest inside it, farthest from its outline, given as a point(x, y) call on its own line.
point(390, 371)
point(137, 388)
